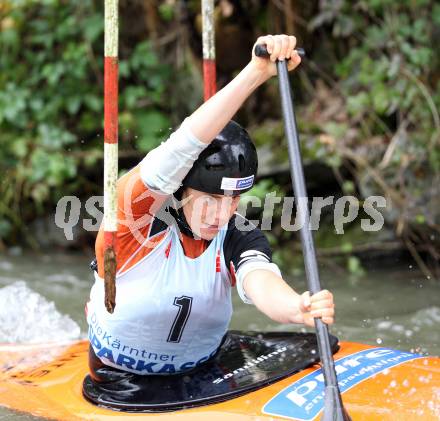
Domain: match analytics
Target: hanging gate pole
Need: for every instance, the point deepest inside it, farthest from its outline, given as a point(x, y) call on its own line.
point(208, 27)
point(111, 34)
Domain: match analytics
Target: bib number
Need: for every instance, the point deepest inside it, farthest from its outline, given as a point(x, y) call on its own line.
point(184, 303)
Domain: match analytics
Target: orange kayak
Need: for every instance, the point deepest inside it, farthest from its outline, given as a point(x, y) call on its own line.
point(376, 383)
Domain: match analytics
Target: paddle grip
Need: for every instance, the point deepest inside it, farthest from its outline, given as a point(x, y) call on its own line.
point(261, 51)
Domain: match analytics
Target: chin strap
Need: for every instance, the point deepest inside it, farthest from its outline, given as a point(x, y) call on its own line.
point(180, 219)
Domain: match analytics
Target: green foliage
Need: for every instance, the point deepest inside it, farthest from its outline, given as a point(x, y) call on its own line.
point(386, 73)
point(166, 11)
point(51, 102)
point(369, 98)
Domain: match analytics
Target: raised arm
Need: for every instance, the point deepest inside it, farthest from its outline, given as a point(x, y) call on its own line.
point(210, 118)
point(165, 167)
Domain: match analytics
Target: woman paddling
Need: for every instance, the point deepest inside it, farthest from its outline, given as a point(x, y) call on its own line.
point(181, 246)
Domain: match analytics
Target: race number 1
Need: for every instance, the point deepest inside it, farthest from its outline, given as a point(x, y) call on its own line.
point(184, 303)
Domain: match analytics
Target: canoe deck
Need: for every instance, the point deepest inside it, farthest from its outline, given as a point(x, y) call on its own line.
point(376, 384)
point(245, 361)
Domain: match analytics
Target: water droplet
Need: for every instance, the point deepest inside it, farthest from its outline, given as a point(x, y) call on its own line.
point(354, 298)
point(379, 341)
point(393, 383)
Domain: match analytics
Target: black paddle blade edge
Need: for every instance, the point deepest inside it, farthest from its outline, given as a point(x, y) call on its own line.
point(246, 361)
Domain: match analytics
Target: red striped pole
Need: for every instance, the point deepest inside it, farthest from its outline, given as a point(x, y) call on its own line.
point(111, 33)
point(208, 25)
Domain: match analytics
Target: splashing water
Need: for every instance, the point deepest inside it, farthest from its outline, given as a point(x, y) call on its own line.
point(429, 316)
point(27, 317)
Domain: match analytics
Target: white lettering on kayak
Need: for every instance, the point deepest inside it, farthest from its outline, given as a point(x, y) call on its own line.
point(113, 353)
point(249, 364)
point(304, 398)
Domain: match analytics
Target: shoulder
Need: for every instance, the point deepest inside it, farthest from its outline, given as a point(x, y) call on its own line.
point(240, 227)
point(244, 240)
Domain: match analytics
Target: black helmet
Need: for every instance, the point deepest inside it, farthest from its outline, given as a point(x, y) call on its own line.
point(228, 165)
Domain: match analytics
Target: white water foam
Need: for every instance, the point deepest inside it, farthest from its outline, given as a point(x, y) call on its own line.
point(27, 317)
point(427, 317)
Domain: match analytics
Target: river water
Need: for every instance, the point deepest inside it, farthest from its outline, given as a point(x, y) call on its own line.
point(42, 297)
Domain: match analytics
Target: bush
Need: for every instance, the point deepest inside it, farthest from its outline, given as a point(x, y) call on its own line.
point(51, 103)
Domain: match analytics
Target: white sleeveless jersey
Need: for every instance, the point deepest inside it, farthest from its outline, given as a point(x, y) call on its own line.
point(171, 311)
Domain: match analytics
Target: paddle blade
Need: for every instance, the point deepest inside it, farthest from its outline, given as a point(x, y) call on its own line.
point(110, 279)
point(333, 408)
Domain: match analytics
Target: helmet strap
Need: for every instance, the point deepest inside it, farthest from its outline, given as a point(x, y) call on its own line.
point(179, 215)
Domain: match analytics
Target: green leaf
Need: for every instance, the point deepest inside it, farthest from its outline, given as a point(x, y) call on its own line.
point(420, 218)
point(133, 94)
point(52, 137)
point(380, 98)
point(348, 186)
point(20, 147)
point(40, 192)
point(354, 266)
point(152, 126)
point(5, 228)
point(73, 104)
point(436, 14)
point(94, 102)
point(337, 130)
point(39, 164)
point(357, 104)
point(166, 11)
point(346, 247)
point(94, 27)
point(143, 57)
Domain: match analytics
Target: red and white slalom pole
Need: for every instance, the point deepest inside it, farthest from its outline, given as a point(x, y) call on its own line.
point(208, 28)
point(111, 34)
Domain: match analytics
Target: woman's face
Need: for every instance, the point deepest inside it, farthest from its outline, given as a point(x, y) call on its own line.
point(207, 213)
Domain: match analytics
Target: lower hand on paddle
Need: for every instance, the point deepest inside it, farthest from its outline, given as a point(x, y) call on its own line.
point(318, 305)
point(275, 298)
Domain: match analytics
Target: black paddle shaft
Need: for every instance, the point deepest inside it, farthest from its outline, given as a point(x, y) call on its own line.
point(333, 409)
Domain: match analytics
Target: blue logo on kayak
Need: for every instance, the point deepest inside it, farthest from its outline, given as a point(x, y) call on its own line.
point(304, 399)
